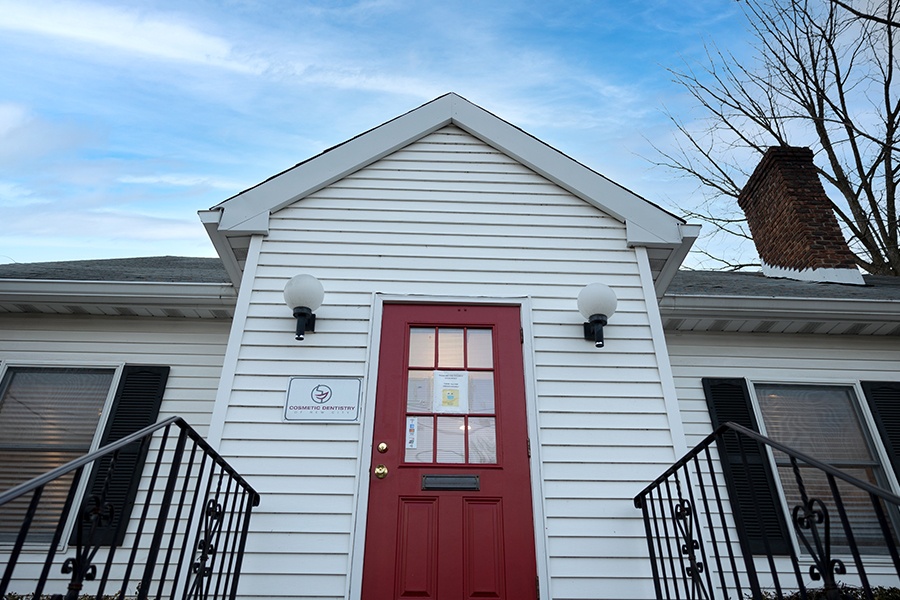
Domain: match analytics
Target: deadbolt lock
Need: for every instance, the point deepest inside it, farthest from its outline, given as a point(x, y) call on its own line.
point(382, 447)
point(381, 471)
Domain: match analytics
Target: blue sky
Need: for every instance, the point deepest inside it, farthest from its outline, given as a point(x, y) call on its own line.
point(120, 120)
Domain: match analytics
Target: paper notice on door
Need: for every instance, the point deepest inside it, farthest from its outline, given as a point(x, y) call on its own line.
point(412, 432)
point(451, 392)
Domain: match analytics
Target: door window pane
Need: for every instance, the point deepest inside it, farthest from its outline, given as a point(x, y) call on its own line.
point(451, 440)
point(421, 347)
point(481, 392)
point(450, 348)
point(419, 440)
point(480, 349)
point(482, 440)
point(420, 391)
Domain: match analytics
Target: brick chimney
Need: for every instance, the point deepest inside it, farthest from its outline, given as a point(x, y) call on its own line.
point(795, 230)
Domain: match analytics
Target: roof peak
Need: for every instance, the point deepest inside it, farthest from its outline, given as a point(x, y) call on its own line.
point(248, 213)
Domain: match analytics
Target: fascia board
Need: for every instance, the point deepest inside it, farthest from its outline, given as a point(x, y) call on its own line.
point(689, 233)
point(245, 212)
point(771, 308)
point(210, 220)
point(42, 291)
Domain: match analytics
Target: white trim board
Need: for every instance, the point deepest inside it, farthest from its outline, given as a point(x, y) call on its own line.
point(232, 351)
point(666, 377)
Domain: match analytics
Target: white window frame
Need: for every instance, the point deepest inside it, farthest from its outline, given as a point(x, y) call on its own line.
point(117, 369)
point(867, 421)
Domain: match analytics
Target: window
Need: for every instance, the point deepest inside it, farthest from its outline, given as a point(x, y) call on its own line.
point(824, 421)
point(51, 415)
point(48, 417)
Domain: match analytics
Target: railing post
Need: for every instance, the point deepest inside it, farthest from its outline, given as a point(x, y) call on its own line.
point(20, 540)
point(57, 534)
point(746, 551)
point(163, 515)
point(640, 501)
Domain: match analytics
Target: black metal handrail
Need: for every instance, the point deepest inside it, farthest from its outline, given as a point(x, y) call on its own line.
point(183, 539)
point(698, 540)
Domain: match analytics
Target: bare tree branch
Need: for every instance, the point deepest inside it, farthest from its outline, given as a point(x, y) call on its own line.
point(862, 15)
point(823, 77)
point(725, 265)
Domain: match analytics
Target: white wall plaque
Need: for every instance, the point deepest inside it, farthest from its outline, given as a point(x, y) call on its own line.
point(322, 399)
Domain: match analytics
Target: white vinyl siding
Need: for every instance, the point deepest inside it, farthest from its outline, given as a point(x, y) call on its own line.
point(193, 348)
point(449, 216)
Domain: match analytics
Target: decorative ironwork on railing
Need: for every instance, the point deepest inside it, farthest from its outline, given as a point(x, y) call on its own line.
point(183, 538)
point(839, 533)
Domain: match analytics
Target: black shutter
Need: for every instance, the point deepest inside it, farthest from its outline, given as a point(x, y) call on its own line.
point(751, 487)
point(884, 400)
point(135, 406)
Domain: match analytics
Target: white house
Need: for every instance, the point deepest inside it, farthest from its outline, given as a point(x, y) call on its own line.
point(446, 430)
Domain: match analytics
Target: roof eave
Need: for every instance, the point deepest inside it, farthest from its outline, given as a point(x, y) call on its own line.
point(794, 310)
point(687, 235)
point(155, 295)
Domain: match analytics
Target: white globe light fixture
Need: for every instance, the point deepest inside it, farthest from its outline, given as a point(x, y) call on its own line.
point(304, 294)
point(597, 302)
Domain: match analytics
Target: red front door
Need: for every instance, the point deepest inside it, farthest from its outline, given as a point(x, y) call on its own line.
point(450, 514)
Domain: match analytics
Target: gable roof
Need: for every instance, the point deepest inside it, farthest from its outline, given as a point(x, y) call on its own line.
point(232, 222)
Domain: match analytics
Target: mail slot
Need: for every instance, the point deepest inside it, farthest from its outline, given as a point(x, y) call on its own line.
point(451, 482)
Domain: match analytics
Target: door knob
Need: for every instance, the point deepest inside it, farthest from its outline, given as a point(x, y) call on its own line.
point(381, 471)
point(382, 447)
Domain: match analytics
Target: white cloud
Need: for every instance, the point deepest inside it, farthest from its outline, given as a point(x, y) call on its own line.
point(25, 137)
point(64, 222)
point(13, 194)
point(124, 29)
point(66, 235)
point(368, 79)
point(181, 180)
point(12, 116)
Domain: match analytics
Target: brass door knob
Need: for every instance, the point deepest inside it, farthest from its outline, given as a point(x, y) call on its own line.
point(382, 447)
point(381, 471)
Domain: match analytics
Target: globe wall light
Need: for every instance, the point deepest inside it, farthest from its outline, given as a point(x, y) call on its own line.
point(304, 294)
point(597, 302)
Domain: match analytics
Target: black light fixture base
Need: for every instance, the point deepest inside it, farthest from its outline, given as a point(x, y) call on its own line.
point(593, 330)
point(306, 321)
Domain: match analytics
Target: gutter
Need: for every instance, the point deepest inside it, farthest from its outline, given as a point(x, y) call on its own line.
point(779, 308)
point(119, 293)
